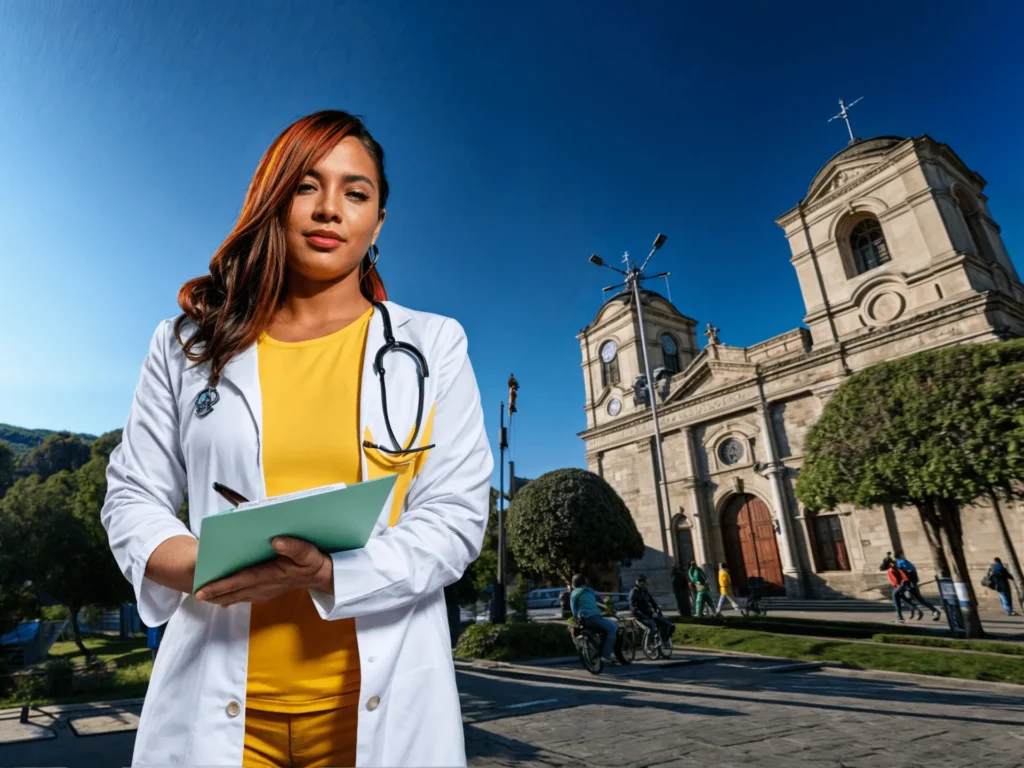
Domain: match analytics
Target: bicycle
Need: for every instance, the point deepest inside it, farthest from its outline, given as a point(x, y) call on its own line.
point(649, 641)
point(756, 604)
point(588, 645)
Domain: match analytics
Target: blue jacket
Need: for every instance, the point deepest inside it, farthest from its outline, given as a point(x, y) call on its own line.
point(583, 603)
point(908, 568)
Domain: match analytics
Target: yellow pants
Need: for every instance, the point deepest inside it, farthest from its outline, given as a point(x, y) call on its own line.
point(314, 740)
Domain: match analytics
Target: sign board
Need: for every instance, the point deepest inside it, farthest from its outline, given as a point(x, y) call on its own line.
point(953, 597)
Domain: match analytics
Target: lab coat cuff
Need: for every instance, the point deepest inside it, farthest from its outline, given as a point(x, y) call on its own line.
point(157, 603)
point(349, 569)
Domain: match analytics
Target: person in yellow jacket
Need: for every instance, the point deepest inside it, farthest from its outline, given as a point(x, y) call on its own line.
point(725, 590)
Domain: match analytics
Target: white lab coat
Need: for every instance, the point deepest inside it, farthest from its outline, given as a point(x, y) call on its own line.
point(409, 713)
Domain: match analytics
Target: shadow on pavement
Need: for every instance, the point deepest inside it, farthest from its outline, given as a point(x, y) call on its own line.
point(787, 688)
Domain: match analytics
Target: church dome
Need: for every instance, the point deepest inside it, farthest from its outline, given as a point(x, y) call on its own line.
point(876, 146)
point(626, 297)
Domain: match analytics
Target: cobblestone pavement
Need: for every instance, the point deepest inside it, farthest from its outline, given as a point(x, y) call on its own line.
point(697, 710)
point(737, 711)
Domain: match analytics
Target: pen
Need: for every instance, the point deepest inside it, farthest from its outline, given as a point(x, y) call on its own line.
point(231, 495)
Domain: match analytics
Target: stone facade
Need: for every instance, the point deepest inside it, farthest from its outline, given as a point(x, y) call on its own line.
point(895, 252)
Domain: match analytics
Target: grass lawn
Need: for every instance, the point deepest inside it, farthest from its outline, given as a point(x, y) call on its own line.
point(853, 630)
point(129, 657)
point(990, 667)
point(983, 646)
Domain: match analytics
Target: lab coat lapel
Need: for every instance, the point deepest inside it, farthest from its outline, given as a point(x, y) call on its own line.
point(243, 372)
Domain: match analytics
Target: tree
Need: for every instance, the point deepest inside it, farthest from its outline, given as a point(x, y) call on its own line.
point(6, 467)
point(61, 547)
point(937, 431)
point(571, 521)
point(60, 451)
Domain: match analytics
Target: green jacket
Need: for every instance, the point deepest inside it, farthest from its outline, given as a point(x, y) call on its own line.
point(697, 576)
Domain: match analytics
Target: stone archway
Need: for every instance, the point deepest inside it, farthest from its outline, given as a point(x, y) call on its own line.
point(751, 548)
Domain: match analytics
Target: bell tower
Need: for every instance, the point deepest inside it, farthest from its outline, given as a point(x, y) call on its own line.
point(613, 363)
point(893, 230)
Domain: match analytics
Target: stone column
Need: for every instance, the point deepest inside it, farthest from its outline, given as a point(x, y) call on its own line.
point(694, 490)
point(775, 472)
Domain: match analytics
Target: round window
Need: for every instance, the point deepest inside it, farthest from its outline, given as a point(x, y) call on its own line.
point(731, 451)
point(614, 406)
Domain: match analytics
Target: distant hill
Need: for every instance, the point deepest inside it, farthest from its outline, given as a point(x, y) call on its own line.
point(24, 440)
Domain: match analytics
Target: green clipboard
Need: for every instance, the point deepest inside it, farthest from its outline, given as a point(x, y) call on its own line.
point(336, 521)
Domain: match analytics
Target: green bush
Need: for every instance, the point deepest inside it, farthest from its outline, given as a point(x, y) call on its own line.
point(54, 613)
point(515, 641)
point(29, 689)
point(517, 601)
point(58, 677)
point(92, 615)
point(608, 606)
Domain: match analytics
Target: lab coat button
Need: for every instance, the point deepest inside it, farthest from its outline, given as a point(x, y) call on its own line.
point(373, 703)
point(234, 709)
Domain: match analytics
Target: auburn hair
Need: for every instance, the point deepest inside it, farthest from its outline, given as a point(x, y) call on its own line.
point(233, 304)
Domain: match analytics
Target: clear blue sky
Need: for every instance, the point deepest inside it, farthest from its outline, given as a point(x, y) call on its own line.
point(519, 141)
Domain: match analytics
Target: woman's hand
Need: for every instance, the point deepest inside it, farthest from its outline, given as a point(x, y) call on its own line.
point(300, 565)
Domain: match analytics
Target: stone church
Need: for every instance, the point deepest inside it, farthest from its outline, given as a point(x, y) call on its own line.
point(895, 252)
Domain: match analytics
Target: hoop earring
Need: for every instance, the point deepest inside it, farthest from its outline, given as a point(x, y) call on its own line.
point(376, 255)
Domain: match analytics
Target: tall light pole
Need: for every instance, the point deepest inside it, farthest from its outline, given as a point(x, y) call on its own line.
point(498, 613)
point(633, 276)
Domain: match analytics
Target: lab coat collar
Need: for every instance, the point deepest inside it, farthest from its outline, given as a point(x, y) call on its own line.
point(243, 373)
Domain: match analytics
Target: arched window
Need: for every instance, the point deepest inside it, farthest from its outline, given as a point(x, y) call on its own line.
point(972, 217)
point(867, 244)
point(829, 543)
point(609, 364)
point(670, 351)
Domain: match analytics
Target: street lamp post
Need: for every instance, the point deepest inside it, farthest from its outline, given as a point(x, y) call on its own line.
point(498, 613)
point(633, 277)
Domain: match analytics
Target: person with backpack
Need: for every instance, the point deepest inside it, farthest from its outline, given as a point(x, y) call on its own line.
point(900, 585)
point(998, 578)
point(914, 589)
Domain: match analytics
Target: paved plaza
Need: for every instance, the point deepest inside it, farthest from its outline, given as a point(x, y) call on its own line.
point(696, 710)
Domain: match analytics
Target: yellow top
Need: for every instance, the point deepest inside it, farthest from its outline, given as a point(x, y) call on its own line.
point(724, 579)
point(299, 663)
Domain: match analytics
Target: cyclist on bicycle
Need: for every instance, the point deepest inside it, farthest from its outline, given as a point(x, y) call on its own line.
point(584, 607)
point(646, 609)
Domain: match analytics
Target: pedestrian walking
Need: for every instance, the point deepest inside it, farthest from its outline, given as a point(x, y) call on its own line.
point(900, 586)
point(914, 588)
point(681, 589)
point(998, 578)
point(699, 580)
point(725, 591)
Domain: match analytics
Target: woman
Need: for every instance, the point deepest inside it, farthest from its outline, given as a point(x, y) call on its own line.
point(725, 591)
point(274, 380)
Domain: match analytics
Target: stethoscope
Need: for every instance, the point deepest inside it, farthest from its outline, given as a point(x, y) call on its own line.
point(422, 371)
point(209, 397)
